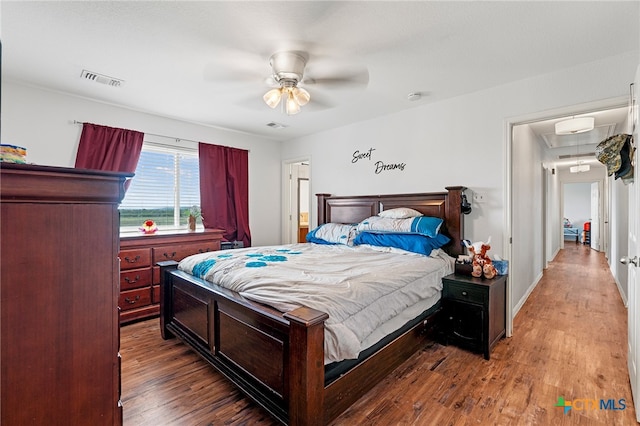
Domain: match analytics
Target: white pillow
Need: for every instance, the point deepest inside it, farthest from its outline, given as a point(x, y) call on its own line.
point(399, 213)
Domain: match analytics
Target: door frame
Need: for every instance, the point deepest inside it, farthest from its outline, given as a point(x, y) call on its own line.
point(509, 124)
point(633, 249)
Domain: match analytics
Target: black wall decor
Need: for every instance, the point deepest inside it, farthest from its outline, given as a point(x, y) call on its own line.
point(379, 166)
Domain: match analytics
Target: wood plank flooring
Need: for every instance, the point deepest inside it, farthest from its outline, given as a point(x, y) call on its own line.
point(569, 341)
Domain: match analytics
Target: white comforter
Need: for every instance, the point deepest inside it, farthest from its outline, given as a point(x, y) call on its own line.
point(359, 287)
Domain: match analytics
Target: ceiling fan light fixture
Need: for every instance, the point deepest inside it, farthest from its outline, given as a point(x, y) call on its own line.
point(272, 97)
point(575, 125)
point(301, 96)
point(291, 105)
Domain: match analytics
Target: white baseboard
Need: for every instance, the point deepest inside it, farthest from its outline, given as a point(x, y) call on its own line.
point(524, 298)
point(615, 279)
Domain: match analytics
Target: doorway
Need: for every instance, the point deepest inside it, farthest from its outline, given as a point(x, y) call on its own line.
point(536, 159)
point(297, 212)
point(582, 207)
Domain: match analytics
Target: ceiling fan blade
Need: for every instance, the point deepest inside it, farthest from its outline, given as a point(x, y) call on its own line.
point(215, 72)
point(271, 82)
point(318, 102)
point(255, 103)
point(354, 79)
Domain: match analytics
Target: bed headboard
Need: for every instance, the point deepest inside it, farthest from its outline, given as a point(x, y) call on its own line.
point(446, 205)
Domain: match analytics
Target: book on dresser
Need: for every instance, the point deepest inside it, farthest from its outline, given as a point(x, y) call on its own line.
point(139, 273)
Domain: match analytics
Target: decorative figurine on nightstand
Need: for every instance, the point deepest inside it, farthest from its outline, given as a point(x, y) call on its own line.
point(148, 227)
point(482, 264)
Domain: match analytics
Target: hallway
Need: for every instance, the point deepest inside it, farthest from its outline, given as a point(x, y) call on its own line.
point(573, 330)
point(569, 341)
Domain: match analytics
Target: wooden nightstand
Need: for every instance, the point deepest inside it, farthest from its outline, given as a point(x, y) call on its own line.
point(474, 311)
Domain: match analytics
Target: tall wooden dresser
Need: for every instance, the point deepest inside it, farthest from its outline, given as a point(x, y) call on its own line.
point(59, 296)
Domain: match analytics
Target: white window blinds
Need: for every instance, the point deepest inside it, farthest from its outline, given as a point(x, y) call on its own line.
point(166, 184)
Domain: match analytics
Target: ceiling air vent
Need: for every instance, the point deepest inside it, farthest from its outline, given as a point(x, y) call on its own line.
point(275, 125)
point(100, 78)
point(587, 154)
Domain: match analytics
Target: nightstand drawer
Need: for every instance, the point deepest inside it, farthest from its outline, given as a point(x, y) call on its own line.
point(463, 292)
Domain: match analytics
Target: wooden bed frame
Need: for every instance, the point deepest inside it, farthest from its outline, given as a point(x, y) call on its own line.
point(278, 359)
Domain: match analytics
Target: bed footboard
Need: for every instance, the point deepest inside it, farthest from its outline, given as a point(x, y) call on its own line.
point(276, 359)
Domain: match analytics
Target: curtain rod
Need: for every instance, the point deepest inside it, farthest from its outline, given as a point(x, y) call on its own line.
point(147, 133)
point(178, 140)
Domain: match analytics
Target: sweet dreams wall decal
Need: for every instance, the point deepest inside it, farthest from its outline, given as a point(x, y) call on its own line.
point(379, 166)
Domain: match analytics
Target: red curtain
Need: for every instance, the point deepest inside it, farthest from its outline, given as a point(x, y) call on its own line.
point(224, 190)
point(108, 148)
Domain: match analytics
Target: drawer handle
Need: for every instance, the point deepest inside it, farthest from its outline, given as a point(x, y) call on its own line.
point(207, 250)
point(464, 293)
point(132, 281)
point(134, 260)
point(169, 256)
point(131, 302)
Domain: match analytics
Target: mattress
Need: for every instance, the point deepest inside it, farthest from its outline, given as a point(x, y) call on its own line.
point(368, 292)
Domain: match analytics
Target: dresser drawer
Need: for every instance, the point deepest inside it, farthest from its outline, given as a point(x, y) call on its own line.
point(463, 292)
point(181, 251)
point(133, 259)
point(135, 278)
point(132, 299)
point(155, 291)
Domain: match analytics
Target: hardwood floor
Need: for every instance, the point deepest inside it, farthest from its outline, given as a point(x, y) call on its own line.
point(569, 341)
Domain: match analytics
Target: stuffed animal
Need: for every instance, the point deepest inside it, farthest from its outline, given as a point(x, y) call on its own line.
point(482, 265)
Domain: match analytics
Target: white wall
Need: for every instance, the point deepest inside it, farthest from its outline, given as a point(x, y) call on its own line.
point(577, 203)
point(460, 141)
point(42, 122)
point(527, 252)
point(437, 143)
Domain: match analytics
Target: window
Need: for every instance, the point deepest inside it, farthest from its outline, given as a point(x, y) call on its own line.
point(166, 184)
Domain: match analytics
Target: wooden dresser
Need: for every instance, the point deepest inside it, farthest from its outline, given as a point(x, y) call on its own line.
point(59, 296)
point(139, 275)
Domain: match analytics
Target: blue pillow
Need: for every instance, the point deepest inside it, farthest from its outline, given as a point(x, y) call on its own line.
point(410, 242)
point(426, 225)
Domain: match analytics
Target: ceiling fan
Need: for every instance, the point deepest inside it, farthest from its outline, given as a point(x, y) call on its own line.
point(288, 70)
point(287, 75)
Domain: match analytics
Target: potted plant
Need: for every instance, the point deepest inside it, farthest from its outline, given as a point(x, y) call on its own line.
point(195, 213)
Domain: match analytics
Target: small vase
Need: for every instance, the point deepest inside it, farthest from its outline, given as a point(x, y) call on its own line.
point(192, 223)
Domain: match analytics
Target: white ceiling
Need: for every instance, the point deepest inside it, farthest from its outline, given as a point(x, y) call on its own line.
point(564, 150)
point(206, 62)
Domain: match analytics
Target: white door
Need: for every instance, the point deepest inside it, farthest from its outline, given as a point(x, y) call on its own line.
point(595, 216)
point(632, 259)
